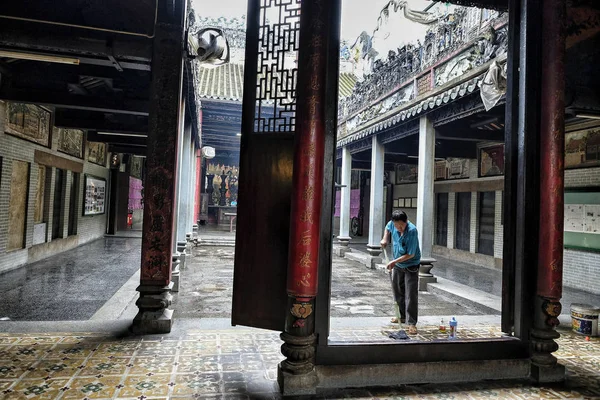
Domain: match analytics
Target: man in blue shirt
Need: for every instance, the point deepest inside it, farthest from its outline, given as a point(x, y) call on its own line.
point(404, 267)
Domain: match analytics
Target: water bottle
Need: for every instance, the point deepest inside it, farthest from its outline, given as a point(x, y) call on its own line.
point(442, 326)
point(453, 325)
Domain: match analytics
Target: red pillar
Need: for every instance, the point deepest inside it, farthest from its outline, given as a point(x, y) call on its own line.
point(552, 138)
point(154, 315)
point(297, 371)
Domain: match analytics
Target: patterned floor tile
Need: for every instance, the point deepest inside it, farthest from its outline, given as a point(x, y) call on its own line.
point(105, 366)
point(194, 364)
point(92, 388)
point(197, 384)
point(27, 353)
point(38, 389)
point(55, 368)
point(11, 369)
point(147, 386)
point(72, 351)
point(116, 349)
point(153, 365)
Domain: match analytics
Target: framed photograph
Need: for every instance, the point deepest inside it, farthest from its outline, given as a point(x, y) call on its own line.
point(29, 122)
point(406, 173)
point(97, 153)
point(136, 167)
point(70, 141)
point(396, 203)
point(582, 148)
point(94, 199)
point(401, 203)
point(491, 161)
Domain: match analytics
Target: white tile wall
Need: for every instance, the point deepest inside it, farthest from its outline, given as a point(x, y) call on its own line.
point(13, 148)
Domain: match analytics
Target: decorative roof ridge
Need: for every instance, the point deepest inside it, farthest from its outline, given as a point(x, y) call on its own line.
point(454, 32)
point(417, 74)
point(451, 91)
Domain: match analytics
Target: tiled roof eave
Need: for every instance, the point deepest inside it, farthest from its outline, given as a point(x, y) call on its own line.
point(405, 113)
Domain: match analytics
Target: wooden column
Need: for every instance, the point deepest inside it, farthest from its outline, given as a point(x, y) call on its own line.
point(552, 138)
point(154, 315)
point(296, 373)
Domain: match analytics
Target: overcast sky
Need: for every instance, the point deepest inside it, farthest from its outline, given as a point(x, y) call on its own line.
point(357, 16)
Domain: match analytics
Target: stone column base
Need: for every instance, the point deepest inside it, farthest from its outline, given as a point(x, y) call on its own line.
point(374, 250)
point(175, 273)
point(297, 385)
point(344, 240)
point(552, 374)
point(424, 281)
point(181, 247)
point(154, 315)
point(188, 237)
point(341, 251)
point(425, 276)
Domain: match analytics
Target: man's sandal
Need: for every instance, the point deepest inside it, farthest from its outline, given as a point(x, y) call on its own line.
point(412, 330)
point(394, 320)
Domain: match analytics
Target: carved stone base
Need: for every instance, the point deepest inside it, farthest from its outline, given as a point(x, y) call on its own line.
point(175, 273)
point(344, 241)
point(297, 385)
point(341, 251)
point(296, 375)
point(181, 249)
point(556, 373)
point(545, 367)
point(154, 315)
point(424, 281)
point(374, 250)
point(425, 275)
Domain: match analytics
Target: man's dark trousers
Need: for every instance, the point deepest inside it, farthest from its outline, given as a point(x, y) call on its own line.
point(406, 292)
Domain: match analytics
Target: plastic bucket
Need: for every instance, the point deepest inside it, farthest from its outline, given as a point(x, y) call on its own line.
point(584, 319)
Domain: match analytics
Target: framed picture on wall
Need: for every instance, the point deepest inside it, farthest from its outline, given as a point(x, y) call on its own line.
point(406, 173)
point(396, 203)
point(28, 122)
point(582, 148)
point(94, 199)
point(491, 161)
point(97, 153)
point(401, 203)
point(70, 141)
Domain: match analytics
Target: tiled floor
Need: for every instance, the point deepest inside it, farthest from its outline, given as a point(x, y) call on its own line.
point(234, 363)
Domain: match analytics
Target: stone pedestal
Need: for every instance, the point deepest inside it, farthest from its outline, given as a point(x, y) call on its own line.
point(175, 273)
point(552, 374)
point(154, 315)
point(341, 251)
point(296, 375)
point(188, 237)
point(181, 249)
point(425, 275)
point(344, 241)
point(374, 251)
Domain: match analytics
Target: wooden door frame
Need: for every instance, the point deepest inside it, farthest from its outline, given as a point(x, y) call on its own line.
point(520, 189)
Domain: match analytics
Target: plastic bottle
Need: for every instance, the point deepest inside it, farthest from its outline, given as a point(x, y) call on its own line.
point(453, 326)
point(442, 326)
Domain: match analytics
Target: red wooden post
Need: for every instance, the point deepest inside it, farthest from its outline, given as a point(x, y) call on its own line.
point(552, 138)
point(307, 193)
point(154, 315)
